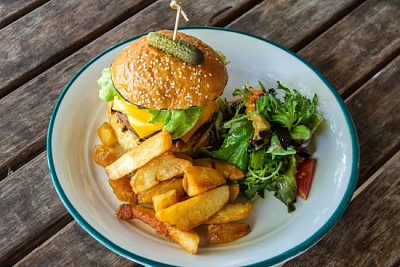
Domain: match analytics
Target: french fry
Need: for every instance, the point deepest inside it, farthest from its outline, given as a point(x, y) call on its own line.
point(163, 167)
point(225, 233)
point(122, 189)
point(199, 179)
point(107, 135)
point(104, 155)
point(126, 138)
point(189, 240)
point(205, 162)
point(230, 213)
point(162, 201)
point(229, 171)
point(140, 155)
point(194, 211)
point(146, 197)
point(234, 190)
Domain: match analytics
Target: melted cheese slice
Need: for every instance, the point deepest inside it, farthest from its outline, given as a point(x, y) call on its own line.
point(138, 118)
point(205, 116)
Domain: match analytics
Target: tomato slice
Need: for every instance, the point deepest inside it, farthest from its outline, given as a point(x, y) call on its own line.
point(304, 177)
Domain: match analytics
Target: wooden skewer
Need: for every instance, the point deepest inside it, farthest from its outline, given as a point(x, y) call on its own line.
point(176, 5)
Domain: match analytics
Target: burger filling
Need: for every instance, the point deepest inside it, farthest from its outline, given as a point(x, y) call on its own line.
point(181, 123)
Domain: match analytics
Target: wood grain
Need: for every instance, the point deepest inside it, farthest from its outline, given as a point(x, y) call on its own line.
point(69, 247)
point(53, 29)
point(282, 21)
point(358, 46)
point(368, 232)
point(29, 205)
point(35, 99)
point(378, 125)
point(11, 10)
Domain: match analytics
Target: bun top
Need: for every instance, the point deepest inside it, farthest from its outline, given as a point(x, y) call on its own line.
point(151, 78)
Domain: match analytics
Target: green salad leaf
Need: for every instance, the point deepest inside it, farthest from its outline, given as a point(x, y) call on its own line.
point(267, 154)
point(235, 145)
point(107, 89)
point(177, 122)
point(294, 109)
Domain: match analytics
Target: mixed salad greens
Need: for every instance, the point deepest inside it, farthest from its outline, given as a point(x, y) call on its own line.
point(265, 132)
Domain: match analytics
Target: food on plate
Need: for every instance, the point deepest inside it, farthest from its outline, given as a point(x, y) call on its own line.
point(122, 189)
point(234, 190)
point(150, 90)
point(164, 200)
point(199, 179)
point(105, 155)
point(225, 233)
point(231, 212)
point(181, 155)
point(265, 132)
point(139, 156)
point(229, 171)
point(189, 240)
point(304, 176)
point(106, 135)
point(146, 197)
point(161, 168)
point(196, 210)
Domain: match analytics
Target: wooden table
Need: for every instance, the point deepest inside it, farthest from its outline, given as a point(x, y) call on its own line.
point(355, 44)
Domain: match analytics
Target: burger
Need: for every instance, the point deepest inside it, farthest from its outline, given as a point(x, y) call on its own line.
point(150, 87)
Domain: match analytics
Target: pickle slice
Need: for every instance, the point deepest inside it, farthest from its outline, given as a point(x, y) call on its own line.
point(178, 48)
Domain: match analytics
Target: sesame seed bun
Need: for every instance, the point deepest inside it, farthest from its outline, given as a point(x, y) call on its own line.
point(151, 78)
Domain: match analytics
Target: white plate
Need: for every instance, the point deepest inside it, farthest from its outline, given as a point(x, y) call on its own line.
point(276, 235)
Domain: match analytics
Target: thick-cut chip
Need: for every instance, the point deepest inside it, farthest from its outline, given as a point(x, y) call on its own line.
point(126, 138)
point(162, 201)
point(229, 171)
point(230, 213)
point(146, 197)
point(225, 233)
point(140, 155)
point(234, 190)
point(163, 167)
point(199, 179)
point(194, 211)
point(205, 162)
point(189, 240)
point(122, 189)
point(106, 134)
point(104, 155)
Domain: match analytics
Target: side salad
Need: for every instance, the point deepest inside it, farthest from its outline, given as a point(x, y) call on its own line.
point(265, 132)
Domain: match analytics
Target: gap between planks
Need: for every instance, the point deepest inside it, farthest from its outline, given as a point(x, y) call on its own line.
point(376, 174)
point(59, 56)
point(20, 13)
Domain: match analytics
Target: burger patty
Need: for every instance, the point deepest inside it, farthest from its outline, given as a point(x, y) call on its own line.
point(124, 119)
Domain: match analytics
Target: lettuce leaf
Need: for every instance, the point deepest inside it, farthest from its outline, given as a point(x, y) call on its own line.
point(177, 122)
point(295, 109)
point(107, 89)
point(235, 145)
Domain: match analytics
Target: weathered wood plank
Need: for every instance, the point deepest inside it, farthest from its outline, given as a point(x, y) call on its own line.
point(25, 112)
point(11, 10)
point(28, 205)
point(76, 251)
point(283, 21)
point(378, 125)
point(54, 29)
point(368, 232)
point(358, 46)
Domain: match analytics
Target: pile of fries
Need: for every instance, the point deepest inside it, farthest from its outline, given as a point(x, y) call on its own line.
point(173, 193)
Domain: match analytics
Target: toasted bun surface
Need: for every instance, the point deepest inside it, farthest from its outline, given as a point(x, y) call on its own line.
point(151, 78)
